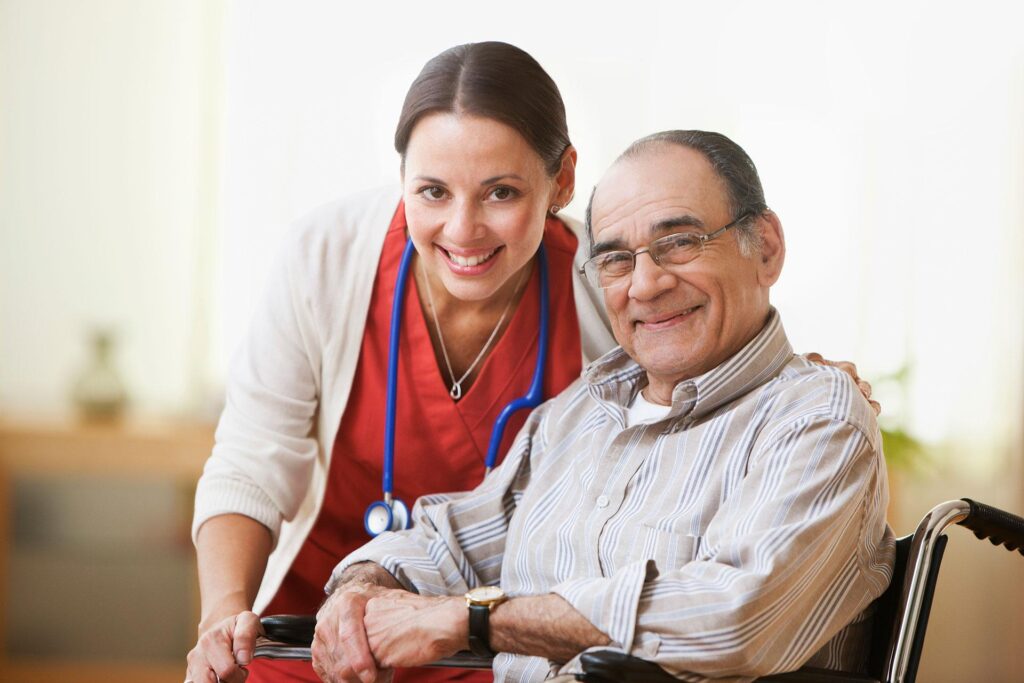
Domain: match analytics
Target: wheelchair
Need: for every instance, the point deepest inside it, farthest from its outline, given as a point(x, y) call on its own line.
point(900, 621)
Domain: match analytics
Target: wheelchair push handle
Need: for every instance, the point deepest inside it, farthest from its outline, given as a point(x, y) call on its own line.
point(998, 526)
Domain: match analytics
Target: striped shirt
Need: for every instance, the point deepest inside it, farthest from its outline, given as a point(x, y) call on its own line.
point(742, 534)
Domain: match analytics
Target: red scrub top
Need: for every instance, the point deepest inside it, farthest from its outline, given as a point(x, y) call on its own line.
point(440, 444)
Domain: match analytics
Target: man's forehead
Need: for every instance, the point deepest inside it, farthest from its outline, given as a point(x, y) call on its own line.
point(660, 184)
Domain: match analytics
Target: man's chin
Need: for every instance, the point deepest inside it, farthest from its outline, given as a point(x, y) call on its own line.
point(660, 362)
point(664, 351)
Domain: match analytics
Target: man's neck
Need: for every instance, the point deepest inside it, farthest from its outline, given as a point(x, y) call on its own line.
point(659, 389)
point(658, 392)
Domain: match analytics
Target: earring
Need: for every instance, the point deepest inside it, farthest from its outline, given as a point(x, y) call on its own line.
point(555, 208)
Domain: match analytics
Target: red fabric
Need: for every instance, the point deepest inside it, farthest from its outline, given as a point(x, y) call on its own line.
point(440, 444)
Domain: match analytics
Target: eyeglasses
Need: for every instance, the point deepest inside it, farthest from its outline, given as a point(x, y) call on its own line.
point(612, 268)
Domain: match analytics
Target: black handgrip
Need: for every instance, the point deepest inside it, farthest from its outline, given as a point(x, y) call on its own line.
point(998, 526)
point(610, 666)
point(290, 629)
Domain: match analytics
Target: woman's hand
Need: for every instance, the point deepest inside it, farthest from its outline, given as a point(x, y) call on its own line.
point(341, 651)
point(405, 630)
point(223, 649)
point(851, 370)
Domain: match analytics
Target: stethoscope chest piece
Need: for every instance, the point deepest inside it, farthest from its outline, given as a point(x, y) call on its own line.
point(386, 515)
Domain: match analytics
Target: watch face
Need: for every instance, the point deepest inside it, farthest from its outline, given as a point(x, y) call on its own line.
point(485, 594)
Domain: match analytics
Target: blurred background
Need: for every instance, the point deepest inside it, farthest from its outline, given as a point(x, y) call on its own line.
point(154, 152)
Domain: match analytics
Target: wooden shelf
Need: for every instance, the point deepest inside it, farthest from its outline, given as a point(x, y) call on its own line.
point(163, 448)
point(171, 451)
point(90, 672)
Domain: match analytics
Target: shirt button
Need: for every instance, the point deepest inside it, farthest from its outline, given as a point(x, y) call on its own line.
point(602, 501)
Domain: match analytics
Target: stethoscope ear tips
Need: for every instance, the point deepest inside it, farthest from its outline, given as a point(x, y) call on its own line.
point(381, 517)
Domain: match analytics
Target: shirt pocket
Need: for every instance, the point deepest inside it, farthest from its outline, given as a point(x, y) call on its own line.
point(670, 550)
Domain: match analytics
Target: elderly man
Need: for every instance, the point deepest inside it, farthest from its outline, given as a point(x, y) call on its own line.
point(701, 497)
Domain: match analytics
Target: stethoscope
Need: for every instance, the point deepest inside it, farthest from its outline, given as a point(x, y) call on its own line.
point(391, 514)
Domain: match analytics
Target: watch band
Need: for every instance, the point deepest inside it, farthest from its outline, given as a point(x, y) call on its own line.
point(480, 630)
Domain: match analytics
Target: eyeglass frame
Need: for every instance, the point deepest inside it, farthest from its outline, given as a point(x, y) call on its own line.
point(704, 238)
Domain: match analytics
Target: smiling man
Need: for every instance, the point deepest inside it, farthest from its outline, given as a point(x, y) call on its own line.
point(701, 497)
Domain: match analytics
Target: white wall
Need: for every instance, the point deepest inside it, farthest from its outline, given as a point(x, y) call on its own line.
point(107, 183)
point(889, 139)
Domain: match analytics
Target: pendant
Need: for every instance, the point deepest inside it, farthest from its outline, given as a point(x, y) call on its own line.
point(456, 392)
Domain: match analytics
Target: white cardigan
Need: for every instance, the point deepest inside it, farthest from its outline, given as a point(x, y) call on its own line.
point(289, 382)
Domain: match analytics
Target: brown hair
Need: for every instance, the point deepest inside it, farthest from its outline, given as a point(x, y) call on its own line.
point(494, 80)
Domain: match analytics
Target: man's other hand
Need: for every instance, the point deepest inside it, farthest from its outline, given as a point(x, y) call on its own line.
point(405, 629)
point(340, 650)
point(851, 370)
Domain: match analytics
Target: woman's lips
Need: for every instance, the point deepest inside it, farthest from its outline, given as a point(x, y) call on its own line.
point(662, 322)
point(469, 261)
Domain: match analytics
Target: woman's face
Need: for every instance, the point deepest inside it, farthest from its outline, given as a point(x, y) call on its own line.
point(476, 197)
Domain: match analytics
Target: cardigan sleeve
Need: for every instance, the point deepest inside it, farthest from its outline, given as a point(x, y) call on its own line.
point(265, 447)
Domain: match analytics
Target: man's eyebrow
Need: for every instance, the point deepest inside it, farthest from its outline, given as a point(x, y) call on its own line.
point(607, 245)
point(684, 221)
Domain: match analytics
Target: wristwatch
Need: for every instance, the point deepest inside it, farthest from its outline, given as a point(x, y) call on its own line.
point(481, 601)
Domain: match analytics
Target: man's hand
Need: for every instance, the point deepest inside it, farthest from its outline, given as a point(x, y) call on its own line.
point(341, 652)
point(851, 370)
point(405, 629)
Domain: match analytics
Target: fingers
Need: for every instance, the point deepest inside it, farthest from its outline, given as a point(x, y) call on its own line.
point(341, 651)
point(221, 658)
point(247, 628)
point(851, 369)
point(212, 660)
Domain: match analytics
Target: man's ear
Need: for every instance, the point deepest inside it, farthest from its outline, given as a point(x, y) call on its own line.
point(772, 253)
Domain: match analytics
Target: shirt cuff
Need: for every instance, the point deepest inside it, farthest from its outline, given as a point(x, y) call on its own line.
point(611, 603)
point(415, 570)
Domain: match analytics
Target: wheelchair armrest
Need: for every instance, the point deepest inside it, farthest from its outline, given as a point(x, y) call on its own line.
point(287, 636)
point(290, 629)
point(601, 666)
point(609, 666)
point(290, 636)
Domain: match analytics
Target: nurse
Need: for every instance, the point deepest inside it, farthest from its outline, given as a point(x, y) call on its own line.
point(487, 165)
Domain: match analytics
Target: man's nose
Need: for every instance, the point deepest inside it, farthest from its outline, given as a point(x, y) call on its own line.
point(649, 279)
point(463, 224)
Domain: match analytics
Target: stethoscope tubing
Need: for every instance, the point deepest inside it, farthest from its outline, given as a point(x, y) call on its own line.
point(531, 399)
point(397, 307)
point(535, 394)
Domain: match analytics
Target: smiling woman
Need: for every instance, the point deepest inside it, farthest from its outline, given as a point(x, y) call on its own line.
point(486, 166)
point(475, 197)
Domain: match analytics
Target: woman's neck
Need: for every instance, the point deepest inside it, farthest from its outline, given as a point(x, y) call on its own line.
point(467, 325)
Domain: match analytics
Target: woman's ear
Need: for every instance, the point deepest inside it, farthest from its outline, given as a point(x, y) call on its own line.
point(565, 179)
point(772, 253)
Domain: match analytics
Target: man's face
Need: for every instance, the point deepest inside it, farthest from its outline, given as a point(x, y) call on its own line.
point(681, 322)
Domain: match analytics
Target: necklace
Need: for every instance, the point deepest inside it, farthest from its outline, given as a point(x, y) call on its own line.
point(456, 390)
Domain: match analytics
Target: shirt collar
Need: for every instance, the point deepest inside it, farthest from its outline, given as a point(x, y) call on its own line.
point(614, 379)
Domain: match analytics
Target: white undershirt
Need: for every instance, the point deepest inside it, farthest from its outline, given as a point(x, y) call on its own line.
point(642, 411)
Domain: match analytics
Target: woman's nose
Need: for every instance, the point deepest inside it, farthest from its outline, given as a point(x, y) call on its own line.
point(463, 223)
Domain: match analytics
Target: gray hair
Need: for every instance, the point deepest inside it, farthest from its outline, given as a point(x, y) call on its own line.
point(733, 165)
